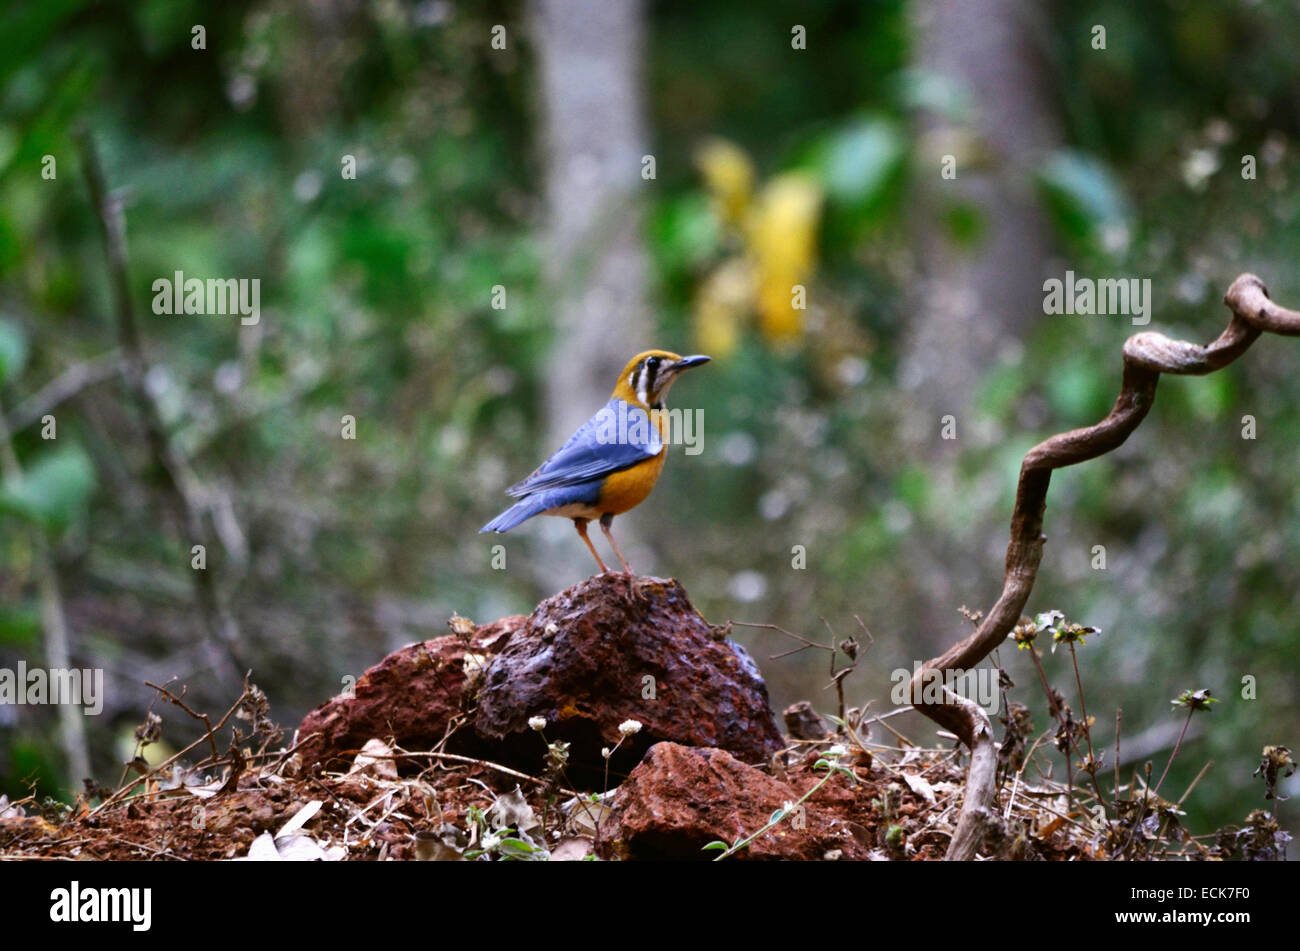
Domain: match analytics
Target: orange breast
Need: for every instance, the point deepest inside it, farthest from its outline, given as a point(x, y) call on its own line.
point(628, 488)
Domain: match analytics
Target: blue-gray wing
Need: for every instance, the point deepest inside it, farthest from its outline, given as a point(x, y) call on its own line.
point(618, 436)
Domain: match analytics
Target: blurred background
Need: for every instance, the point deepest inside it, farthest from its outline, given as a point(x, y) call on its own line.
point(540, 191)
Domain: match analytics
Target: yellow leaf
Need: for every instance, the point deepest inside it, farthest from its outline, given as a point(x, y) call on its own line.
point(729, 176)
point(783, 241)
point(721, 306)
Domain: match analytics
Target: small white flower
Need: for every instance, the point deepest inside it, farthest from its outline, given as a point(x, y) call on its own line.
point(629, 727)
point(787, 806)
point(537, 723)
point(604, 751)
point(839, 749)
point(490, 841)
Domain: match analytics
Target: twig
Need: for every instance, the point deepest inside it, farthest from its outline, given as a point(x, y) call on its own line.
point(72, 381)
point(1087, 735)
point(1173, 753)
point(882, 717)
point(1142, 807)
point(201, 717)
point(833, 649)
point(1204, 769)
point(1119, 721)
point(1061, 815)
point(482, 762)
point(140, 845)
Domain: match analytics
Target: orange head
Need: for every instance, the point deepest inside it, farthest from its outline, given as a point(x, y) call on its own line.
point(646, 378)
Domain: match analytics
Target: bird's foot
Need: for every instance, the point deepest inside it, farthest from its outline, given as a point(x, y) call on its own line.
point(634, 593)
point(630, 576)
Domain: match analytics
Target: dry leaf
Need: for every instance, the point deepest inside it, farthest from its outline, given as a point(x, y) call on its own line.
point(920, 785)
point(1047, 830)
point(585, 815)
point(291, 848)
point(512, 810)
point(375, 758)
point(572, 849)
point(300, 819)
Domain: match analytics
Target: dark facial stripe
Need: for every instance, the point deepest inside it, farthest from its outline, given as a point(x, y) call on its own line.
point(651, 369)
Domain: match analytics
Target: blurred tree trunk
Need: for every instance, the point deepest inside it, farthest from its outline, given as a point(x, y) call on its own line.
point(975, 298)
point(589, 53)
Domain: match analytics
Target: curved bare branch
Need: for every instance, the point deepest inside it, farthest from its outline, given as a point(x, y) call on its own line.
point(1146, 356)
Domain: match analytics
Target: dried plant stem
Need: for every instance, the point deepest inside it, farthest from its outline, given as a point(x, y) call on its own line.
point(1087, 734)
point(1195, 782)
point(1119, 721)
point(201, 717)
point(207, 737)
point(1177, 743)
point(1058, 713)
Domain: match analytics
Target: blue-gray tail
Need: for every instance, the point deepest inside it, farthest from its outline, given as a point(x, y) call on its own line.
point(525, 509)
point(539, 502)
point(521, 511)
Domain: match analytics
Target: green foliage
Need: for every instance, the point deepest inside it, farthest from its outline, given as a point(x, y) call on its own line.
point(857, 162)
point(20, 626)
point(1078, 393)
point(1083, 196)
point(13, 351)
point(32, 763)
point(53, 490)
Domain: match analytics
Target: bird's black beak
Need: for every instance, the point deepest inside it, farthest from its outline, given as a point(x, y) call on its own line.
point(685, 363)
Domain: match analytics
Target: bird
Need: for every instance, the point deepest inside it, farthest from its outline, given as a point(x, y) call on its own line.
point(610, 464)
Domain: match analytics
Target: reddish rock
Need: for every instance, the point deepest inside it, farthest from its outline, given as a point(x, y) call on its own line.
point(594, 656)
point(409, 697)
point(679, 799)
point(802, 722)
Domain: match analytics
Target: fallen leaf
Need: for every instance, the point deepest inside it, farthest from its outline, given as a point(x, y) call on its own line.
point(433, 847)
point(585, 815)
point(262, 850)
point(573, 849)
point(1047, 830)
point(375, 758)
point(512, 809)
point(290, 848)
point(920, 785)
point(300, 819)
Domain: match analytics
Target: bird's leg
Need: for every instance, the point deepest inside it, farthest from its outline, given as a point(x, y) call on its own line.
point(581, 525)
point(606, 521)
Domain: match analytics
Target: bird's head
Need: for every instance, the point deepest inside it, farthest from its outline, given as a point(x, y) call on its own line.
point(648, 375)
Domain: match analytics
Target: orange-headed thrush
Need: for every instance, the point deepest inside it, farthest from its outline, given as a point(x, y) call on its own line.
point(612, 462)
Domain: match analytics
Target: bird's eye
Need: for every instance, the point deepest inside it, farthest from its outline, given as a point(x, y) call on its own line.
point(653, 363)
